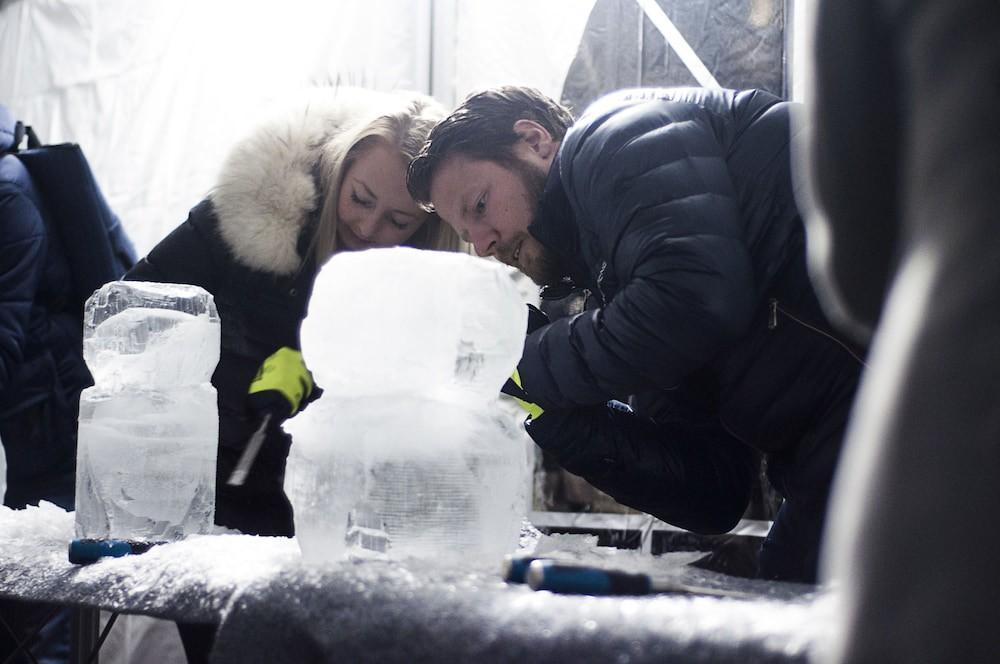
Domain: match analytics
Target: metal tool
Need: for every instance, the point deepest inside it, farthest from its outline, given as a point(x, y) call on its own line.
point(239, 474)
point(86, 551)
point(515, 567)
point(580, 580)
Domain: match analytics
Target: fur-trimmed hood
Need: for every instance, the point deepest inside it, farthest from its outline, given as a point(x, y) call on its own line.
point(268, 187)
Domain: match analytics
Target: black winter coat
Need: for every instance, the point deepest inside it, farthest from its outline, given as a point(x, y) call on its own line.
point(42, 370)
point(675, 209)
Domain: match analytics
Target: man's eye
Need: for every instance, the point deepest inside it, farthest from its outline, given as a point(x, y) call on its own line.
point(481, 205)
point(360, 201)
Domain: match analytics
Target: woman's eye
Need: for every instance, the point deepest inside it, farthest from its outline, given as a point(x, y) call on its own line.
point(401, 225)
point(360, 201)
point(481, 205)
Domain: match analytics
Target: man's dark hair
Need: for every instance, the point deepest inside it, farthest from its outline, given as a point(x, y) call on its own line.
point(482, 127)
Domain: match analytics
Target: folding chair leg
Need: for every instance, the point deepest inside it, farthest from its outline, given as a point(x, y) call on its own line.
point(22, 645)
point(86, 627)
point(95, 653)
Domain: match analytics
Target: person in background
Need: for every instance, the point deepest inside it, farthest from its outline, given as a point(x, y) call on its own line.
point(44, 280)
point(42, 371)
point(327, 176)
point(904, 159)
point(674, 210)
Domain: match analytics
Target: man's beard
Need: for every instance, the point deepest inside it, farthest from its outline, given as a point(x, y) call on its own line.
point(544, 268)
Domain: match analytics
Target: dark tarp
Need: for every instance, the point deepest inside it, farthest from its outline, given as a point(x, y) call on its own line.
point(742, 42)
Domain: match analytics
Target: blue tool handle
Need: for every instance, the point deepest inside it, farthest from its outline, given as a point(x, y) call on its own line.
point(576, 580)
point(86, 551)
point(515, 568)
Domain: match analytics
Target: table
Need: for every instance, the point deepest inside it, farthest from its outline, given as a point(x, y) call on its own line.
point(193, 580)
point(271, 607)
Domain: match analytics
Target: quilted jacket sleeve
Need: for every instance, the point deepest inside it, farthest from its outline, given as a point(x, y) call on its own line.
point(22, 252)
point(691, 474)
point(651, 191)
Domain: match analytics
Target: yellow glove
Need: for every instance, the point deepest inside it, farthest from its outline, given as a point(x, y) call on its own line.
point(513, 388)
point(283, 373)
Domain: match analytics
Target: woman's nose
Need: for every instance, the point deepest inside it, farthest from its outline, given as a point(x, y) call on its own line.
point(368, 227)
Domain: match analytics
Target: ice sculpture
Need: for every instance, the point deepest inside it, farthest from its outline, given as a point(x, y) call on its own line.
point(149, 426)
point(409, 453)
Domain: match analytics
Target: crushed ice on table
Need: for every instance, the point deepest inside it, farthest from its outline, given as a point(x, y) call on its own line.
point(363, 610)
point(423, 610)
point(193, 577)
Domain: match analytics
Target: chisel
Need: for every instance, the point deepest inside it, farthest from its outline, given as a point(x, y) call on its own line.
point(239, 474)
point(86, 551)
point(580, 580)
point(515, 567)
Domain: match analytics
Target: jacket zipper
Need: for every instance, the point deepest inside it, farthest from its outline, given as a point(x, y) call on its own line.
point(772, 323)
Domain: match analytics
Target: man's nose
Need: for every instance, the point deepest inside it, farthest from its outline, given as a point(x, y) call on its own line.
point(484, 240)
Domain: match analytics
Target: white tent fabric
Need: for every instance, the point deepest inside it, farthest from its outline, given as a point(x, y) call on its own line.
point(520, 42)
point(156, 92)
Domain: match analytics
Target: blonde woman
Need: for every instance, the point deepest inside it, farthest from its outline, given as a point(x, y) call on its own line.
point(329, 176)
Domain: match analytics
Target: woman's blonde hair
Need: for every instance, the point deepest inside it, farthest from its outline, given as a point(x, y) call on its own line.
point(404, 129)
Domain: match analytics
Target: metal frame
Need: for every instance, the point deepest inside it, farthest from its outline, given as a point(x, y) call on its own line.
point(642, 522)
point(86, 636)
point(677, 42)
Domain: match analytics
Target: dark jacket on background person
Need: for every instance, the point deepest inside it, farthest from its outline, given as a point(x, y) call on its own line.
point(674, 208)
point(42, 370)
point(41, 350)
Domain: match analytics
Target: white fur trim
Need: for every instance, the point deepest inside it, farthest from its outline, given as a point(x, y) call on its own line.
point(266, 192)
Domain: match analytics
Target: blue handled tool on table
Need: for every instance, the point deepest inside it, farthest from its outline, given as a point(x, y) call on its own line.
point(569, 579)
point(515, 568)
point(86, 551)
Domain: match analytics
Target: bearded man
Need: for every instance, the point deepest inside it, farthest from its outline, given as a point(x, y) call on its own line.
point(674, 210)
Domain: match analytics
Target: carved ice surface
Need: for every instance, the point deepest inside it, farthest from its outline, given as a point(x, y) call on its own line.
point(415, 322)
point(407, 477)
point(409, 453)
point(149, 426)
point(150, 335)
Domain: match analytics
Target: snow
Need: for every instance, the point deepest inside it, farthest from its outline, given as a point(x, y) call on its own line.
point(423, 611)
point(274, 608)
point(193, 578)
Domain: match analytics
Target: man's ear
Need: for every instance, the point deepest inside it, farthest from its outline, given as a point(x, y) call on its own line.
point(537, 139)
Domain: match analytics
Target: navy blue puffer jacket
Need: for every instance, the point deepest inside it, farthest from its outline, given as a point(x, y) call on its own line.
point(58, 239)
point(41, 335)
point(675, 209)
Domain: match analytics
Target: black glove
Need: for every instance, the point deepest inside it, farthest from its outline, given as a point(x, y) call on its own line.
point(513, 388)
point(536, 320)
